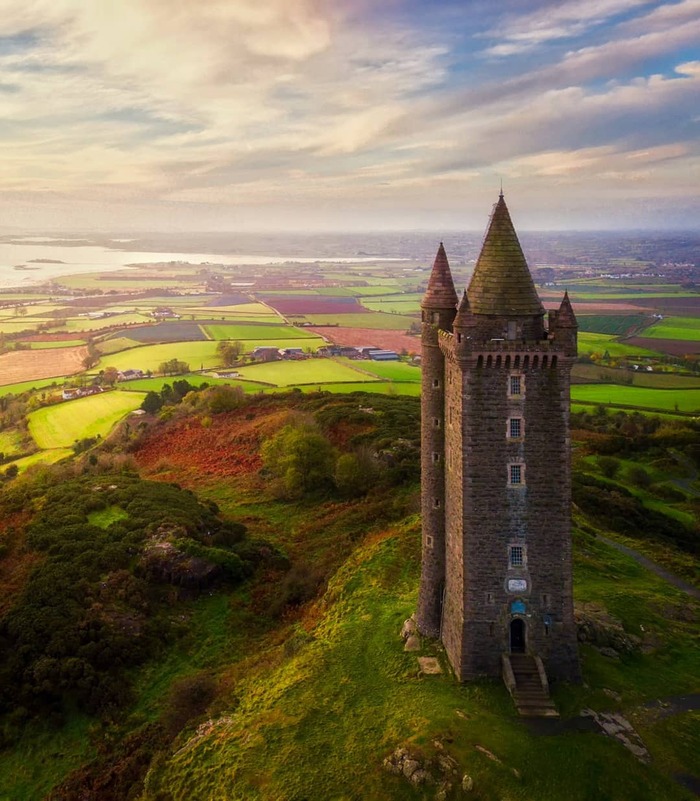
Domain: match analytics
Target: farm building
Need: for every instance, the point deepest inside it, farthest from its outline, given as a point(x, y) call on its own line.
point(292, 353)
point(265, 354)
point(130, 375)
point(384, 356)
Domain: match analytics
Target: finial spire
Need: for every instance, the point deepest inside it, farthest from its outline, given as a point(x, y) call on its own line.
point(501, 192)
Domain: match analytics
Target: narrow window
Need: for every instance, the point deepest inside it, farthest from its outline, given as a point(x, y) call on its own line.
point(436, 383)
point(515, 385)
point(515, 427)
point(516, 474)
point(428, 541)
point(545, 599)
point(512, 329)
point(436, 503)
point(459, 337)
point(436, 458)
point(490, 598)
point(436, 317)
point(517, 556)
point(436, 422)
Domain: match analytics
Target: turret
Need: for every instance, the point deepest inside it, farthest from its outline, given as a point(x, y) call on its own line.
point(563, 326)
point(463, 326)
point(438, 310)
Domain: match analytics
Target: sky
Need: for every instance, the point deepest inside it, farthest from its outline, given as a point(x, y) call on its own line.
point(296, 115)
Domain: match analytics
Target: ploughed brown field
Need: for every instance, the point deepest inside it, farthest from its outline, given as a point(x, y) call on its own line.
point(388, 340)
point(674, 347)
point(28, 365)
point(598, 307)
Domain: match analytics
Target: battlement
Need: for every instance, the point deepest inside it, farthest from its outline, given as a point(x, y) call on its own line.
point(509, 354)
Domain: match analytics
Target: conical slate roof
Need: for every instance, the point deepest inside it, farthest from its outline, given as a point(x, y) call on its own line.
point(441, 289)
point(502, 283)
point(565, 315)
point(463, 311)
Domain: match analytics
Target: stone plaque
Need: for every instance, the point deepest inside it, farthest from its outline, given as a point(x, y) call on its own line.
point(517, 585)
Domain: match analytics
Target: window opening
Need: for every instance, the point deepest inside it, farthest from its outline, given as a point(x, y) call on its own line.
point(515, 427)
point(517, 556)
point(516, 474)
point(516, 385)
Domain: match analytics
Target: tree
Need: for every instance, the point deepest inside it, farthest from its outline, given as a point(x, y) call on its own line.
point(173, 367)
point(110, 376)
point(152, 402)
point(229, 352)
point(301, 458)
point(92, 356)
point(355, 473)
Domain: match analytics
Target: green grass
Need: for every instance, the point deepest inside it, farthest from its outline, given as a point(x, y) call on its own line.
point(600, 343)
point(392, 371)
point(393, 306)
point(196, 379)
point(248, 309)
point(150, 357)
point(40, 457)
point(67, 343)
point(683, 328)
point(61, 425)
point(309, 371)
point(116, 344)
point(386, 322)
point(662, 399)
point(375, 387)
point(640, 378)
point(105, 517)
point(27, 386)
point(27, 324)
point(344, 693)
point(85, 324)
point(258, 332)
point(10, 442)
point(613, 324)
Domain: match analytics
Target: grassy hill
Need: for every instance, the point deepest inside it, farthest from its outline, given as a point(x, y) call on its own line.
point(294, 684)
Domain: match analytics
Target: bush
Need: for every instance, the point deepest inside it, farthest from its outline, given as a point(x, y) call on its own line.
point(301, 458)
point(639, 476)
point(609, 466)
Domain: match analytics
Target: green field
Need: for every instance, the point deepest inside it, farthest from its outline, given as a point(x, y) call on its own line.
point(10, 442)
point(115, 344)
point(66, 343)
point(587, 373)
point(375, 387)
point(683, 328)
point(249, 309)
point(126, 281)
point(599, 343)
point(613, 324)
point(308, 371)
point(61, 425)
point(258, 332)
point(196, 379)
point(394, 306)
point(150, 357)
point(86, 324)
point(14, 326)
point(391, 371)
point(26, 386)
point(683, 400)
point(41, 457)
point(378, 320)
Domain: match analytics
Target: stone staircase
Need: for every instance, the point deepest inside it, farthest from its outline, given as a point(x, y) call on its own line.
point(526, 681)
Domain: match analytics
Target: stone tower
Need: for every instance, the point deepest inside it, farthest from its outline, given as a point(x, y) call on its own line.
point(496, 481)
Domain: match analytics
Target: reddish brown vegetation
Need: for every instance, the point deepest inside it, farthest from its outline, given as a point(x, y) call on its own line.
point(228, 447)
point(357, 337)
point(315, 305)
point(17, 564)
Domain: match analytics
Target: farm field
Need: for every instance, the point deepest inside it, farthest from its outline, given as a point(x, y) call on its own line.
point(379, 338)
point(10, 442)
point(150, 357)
point(29, 365)
point(308, 371)
point(47, 344)
point(682, 400)
point(259, 331)
point(613, 324)
point(26, 386)
point(683, 328)
point(61, 425)
point(128, 281)
point(165, 332)
point(13, 326)
point(390, 371)
point(586, 373)
point(196, 379)
point(393, 306)
point(305, 305)
point(248, 309)
point(374, 387)
point(373, 320)
point(674, 347)
point(116, 343)
point(86, 324)
point(40, 457)
point(599, 343)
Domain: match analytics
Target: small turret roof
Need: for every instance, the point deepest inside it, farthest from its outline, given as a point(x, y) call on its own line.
point(565, 315)
point(463, 311)
point(441, 289)
point(502, 283)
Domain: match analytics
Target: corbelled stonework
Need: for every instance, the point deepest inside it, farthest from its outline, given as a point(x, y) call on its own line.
point(496, 485)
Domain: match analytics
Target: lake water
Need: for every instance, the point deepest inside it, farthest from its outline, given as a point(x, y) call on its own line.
point(89, 258)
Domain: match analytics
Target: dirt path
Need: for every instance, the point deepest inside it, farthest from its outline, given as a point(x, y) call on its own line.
point(645, 562)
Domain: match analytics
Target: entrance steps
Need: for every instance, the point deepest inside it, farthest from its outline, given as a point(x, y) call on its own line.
point(526, 681)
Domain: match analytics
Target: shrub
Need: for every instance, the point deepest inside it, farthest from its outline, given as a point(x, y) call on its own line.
point(301, 458)
point(609, 466)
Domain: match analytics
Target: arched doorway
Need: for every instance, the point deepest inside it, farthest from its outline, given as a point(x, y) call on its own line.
point(517, 636)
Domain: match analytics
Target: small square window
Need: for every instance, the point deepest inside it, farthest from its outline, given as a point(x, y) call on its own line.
point(515, 474)
point(517, 555)
point(515, 427)
point(515, 386)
